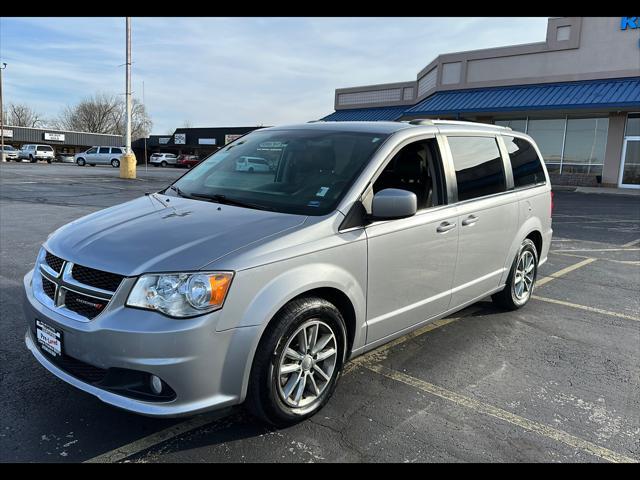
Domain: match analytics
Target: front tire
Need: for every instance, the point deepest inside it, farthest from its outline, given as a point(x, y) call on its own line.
point(80, 162)
point(522, 277)
point(297, 363)
point(31, 159)
point(163, 164)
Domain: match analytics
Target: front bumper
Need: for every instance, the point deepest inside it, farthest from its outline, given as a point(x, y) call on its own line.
point(204, 368)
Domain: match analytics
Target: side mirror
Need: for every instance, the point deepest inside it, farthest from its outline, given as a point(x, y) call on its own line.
point(393, 203)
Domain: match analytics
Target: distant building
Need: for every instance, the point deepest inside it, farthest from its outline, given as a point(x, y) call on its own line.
point(62, 141)
point(192, 141)
point(577, 94)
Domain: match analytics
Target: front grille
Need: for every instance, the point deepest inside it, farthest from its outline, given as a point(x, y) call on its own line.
point(96, 278)
point(84, 305)
point(49, 288)
point(54, 262)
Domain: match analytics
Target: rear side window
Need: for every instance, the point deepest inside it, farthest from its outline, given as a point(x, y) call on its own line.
point(479, 167)
point(116, 150)
point(525, 163)
point(103, 150)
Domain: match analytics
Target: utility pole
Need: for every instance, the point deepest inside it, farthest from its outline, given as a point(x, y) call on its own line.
point(145, 137)
point(128, 162)
point(2, 154)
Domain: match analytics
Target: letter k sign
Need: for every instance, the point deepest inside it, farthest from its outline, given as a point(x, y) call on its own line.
point(630, 22)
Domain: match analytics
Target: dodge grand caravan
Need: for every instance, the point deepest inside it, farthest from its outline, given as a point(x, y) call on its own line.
point(227, 288)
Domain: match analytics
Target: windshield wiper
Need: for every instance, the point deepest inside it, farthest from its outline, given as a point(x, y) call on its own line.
point(178, 191)
point(218, 198)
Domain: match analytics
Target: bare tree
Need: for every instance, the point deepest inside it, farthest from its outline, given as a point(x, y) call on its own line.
point(105, 113)
point(140, 121)
point(187, 124)
point(21, 115)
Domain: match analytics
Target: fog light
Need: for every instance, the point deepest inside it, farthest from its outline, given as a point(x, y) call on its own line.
point(156, 384)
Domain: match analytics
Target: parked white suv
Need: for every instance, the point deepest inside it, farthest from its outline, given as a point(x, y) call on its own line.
point(252, 164)
point(163, 159)
point(33, 153)
point(100, 156)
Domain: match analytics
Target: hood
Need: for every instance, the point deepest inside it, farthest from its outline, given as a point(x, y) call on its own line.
point(151, 234)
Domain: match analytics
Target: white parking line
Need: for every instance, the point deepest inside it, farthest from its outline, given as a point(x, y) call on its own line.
point(564, 271)
point(625, 249)
point(487, 409)
point(586, 308)
point(632, 243)
point(149, 441)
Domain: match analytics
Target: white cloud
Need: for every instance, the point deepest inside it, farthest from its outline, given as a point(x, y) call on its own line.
point(238, 71)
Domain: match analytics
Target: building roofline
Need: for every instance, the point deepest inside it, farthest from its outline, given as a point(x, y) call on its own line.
point(63, 131)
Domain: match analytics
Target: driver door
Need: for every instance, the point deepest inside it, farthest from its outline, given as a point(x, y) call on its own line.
point(411, 261)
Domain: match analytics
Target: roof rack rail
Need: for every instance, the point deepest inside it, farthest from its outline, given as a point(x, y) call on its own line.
point(437, 121)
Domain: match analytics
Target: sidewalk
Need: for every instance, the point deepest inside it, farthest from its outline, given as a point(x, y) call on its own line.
point(609, 190)
point(606, 190)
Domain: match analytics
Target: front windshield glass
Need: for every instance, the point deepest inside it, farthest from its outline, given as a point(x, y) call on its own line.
point(290, 171)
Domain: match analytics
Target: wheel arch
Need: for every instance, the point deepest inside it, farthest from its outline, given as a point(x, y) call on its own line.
point(531, 228)
point(350, 301)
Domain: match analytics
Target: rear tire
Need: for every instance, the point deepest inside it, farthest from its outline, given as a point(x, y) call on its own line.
point(31, 159)
point(283, 399)
point(115, 163)
point(522, 278)
point(163, 164)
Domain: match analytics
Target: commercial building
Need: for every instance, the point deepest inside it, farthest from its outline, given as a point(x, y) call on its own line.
point(191, 141)
point(62, 141)
point(577, 94)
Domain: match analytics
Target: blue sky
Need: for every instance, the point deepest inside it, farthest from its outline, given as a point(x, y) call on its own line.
point(232, 71)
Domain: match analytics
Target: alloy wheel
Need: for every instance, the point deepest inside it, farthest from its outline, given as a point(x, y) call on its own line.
point(525, 270)
point(307, 364)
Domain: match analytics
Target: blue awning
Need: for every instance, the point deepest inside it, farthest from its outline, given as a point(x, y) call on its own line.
point(365, 114)
point(602, 94)
point(615, 93)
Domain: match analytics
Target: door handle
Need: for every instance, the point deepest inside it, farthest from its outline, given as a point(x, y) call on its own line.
point(470, 220)
point(445, 227)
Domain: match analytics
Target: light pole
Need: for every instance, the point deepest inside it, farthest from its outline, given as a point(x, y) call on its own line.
point(2, 154)
point(128, 162)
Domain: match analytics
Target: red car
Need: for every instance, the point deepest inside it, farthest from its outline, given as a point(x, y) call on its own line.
point(188, 160)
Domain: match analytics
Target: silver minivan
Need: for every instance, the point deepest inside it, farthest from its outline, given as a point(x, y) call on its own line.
point(100, 156)
point(227, 288)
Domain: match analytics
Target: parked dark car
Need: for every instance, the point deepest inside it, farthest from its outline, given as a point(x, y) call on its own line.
point(188, 161)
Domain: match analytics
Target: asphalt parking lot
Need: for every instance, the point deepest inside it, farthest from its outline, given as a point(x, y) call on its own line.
point(558, 381)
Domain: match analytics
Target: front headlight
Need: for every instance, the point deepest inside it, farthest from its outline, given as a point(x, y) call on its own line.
point(181, 294)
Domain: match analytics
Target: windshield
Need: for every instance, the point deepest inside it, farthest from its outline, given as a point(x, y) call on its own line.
point(290, 171)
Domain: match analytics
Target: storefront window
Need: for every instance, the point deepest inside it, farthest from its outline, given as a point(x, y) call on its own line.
point(633, 125)
point(585, 143)
point(549, 135)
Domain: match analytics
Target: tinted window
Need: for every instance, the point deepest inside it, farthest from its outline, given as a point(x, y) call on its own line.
point(92, 150)
point(45, 149)
point(478, 164)
point(116, 150)
point(416, 168)
point(525, 164)
point(103, 150)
